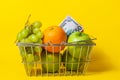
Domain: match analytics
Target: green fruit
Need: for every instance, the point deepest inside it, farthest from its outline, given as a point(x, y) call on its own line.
point(79, 51)
point(78, 36)
point(24, 33)
point(28, 28)
point(39, 35)
point(37, 49)
point(36, 24)
point(30, 61)
point(21, 48)
point(36, 30)
point(33, 38)
point(28, 50)
point(50, 62)
point(76, 50)
point(70, 62)
point(25, 40)
point(40, 41)
point(36, 57)
point(22, 52)
point(30, 58)
point(19, 36)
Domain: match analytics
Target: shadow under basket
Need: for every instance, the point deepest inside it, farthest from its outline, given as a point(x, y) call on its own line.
point(73, 59)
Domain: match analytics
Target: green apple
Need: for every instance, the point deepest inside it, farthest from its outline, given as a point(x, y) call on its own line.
point(50, 62)
point(70, 62)
point(79, 38)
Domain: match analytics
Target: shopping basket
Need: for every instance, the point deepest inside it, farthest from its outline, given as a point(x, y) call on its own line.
point(64, 64)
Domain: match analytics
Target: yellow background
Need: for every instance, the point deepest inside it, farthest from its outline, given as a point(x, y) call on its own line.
point(100, 18)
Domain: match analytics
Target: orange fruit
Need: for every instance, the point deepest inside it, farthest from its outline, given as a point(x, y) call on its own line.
point(54, 35)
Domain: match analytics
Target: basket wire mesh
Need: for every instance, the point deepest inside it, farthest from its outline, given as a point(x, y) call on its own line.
point(65, 67)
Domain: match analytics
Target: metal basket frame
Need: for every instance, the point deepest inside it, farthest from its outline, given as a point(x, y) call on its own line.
point(37, 69)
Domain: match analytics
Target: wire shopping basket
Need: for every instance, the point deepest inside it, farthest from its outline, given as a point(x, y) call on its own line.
point(72, 60)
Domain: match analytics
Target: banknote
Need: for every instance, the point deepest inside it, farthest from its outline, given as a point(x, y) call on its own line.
point(70, 25)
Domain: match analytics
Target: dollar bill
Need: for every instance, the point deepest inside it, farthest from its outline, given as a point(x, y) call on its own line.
point(70, 25)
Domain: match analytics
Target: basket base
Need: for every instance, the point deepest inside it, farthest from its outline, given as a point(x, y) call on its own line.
point(37, 71)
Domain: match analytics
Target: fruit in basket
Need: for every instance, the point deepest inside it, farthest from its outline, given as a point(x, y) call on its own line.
point(54, 35)
point(35, 30)
point(31, 31)
point(19, 36)
point(40, 41)
point(30, 58)
point(33, 38)
point(28, 28)
point(23, 34)
point(37, 49)
point(50, 62)
point(22, 52)
point(70, 62)
point(79, 38)
point(36, 57)
point(30, 34)
point(25, 40)
point(36, 24)
point(30, 61)
point(39, 34)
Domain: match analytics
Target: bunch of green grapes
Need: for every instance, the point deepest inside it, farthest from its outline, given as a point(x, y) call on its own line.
point(30, 34)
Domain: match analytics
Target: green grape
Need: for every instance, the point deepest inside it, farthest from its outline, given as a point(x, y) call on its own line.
point(30, 58)
point(37, 24)
point(24, 33)
point(28, 28)
point(27, 40)
point(35, 30)
point(33, 38)
point(23, 55)
point(39, 34)
point(23, 40)
point(36, 58)
point(37, 49)
point(40, 41)
point(19, 36)
point(30, 61)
